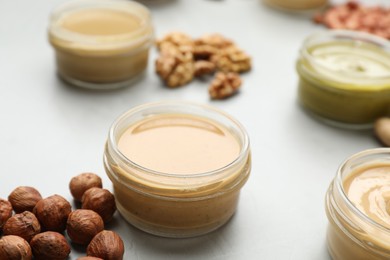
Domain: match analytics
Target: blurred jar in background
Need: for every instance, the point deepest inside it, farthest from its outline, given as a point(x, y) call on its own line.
point(296, 5)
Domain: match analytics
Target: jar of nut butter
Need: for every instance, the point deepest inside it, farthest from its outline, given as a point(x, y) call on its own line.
point(358, 208)
point(177, 168)
point(345, 78)
point(101, 44)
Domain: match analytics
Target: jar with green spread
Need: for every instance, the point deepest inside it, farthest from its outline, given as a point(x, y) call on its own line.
point(345, 77)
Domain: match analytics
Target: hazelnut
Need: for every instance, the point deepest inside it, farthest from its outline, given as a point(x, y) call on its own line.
point(24, 198)
point(5, 211)
point(89, 258)
point(101, 201)
point(107, 245)
point(14, 248)
point(81, 183)
point(50, 245)
point(382, 130)
point(83, 225)
point(24, 224)
point(52, 212)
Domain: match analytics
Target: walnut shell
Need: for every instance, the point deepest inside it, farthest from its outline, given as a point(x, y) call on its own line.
point(14, 248)
point(50, 245)
point(101, 201)
point(24, 224)
point(24, 198)
point(5, 212)
point(107, 245)
point(83, 225)
point(52, 212)
point(81, 183)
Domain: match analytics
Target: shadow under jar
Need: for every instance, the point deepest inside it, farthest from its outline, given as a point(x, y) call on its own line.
point(345, 78)
point(101, 44)
point(358, 208)
point(177, 168)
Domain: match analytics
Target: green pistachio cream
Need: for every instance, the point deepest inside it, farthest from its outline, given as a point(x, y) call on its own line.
point(345, 77)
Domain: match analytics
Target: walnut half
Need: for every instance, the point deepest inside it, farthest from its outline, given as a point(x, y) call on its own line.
point(224, 85)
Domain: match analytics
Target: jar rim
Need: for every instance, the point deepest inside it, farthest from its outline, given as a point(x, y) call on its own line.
point(244, 151)
point(123, 40)
point(338, 182)
point(347, 35)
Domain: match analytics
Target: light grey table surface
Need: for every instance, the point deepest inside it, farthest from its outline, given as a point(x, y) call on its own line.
point(50, 131)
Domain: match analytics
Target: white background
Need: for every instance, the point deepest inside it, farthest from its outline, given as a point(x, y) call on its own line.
point(50, 132)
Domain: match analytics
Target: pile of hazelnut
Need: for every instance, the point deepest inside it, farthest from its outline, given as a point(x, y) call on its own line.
point(38, 225)
point(182, 58)
point(354, 16)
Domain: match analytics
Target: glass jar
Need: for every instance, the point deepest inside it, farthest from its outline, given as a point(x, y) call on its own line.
point(176, 204)
point(297, 5)
point(101, 44)
point(353, 235)
point(345, 78)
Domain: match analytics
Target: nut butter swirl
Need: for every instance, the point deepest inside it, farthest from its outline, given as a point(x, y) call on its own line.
point(368, 188)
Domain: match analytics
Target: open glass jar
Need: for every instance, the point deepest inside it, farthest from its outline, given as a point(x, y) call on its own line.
point(172, 169)
point(297, 5)
point(352, 233)
point(101, 44)
point(345, 78)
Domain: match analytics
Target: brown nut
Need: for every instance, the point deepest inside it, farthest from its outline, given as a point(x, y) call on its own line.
point(5, 212)
point(101, 201)
point(50, 245)
point(224, 85)
point(107, 245)
point(52, 212)
point(14, 248)
point(83, 225)
point(388, 207)
point(81, 183)
point(382, 130)
point(24, 224)
point(89, 258)
point(203, 67)
point(24, 198)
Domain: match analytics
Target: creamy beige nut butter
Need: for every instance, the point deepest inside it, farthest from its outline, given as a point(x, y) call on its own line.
point(345, 78)
point(101, 44)
point(177, 168)
point(357, 208)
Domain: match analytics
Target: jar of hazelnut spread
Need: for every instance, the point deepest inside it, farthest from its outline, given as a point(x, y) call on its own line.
point(177, 168)
point(358, 207)
point(101, 44)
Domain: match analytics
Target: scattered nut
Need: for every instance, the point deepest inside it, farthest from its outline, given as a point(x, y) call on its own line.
point(388, 207)
point(52, 212)
point(14, 248)
point(232, 59)
point(203, 67)
point(83, 225)
point(382, 130)
point(89, 258)
point(175, 68)
point(355, 16)
point(80, 183)
point(107, 245)
point(101, 201)
point(224, 85)
point(24, 198)
point(50, 245)
point(183, 58)
point(24, 224)
point(5, 212)
point(177, 39)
